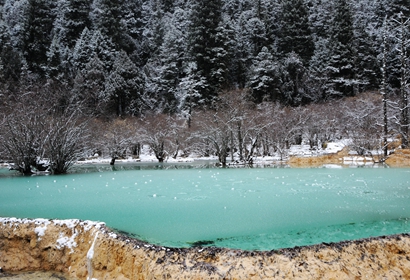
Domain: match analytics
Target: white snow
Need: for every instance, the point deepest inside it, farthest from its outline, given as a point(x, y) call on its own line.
point(334, 147)
point(40, 230)
point(90, 256)
point(68, 223)
point(65, 241)
point(87, 225)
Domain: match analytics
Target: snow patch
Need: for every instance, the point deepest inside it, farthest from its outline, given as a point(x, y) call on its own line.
point(68, 223)
point(334, 147)
point(87, 225)
point(90, 256)
point(65, 241)
point(41, 230)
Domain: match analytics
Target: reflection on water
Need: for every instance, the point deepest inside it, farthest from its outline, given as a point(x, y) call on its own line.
point(182, 205)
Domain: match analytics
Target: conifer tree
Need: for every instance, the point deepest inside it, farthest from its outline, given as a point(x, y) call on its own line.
point(207, 47)
point(123, 86)
point(295, 34)
point(172, 56)
point(106, 18)
point(72, 18)
point(265, 78)
point(343, 54)
point(40, 18)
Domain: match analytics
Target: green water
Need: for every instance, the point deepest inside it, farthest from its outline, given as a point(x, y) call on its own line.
point(252, 209)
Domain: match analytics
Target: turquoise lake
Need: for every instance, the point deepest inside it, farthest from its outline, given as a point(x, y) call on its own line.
point(244, 208)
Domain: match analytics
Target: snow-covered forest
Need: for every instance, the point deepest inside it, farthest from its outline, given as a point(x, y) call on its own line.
point(213, 77)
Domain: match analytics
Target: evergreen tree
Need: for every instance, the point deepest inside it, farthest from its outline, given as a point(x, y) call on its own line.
point(343, 54)
point(91, 44)
point(321, 13)
point(391, 8)
point(265, 78)
point(171, 57)
point(54, 63)
point(295, 34)
point(132, 30)
point(72, 18)
point(207, 46)
point(15, 18)
point(89, 86)
point(83, 51)
point(123, 86)
point(367, 45)
point(106, 16)
point(10, 63)
point(295, 85)
point(320, 69)
point(40, 18)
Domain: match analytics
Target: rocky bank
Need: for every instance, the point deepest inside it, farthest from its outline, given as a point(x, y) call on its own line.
point(89, 250)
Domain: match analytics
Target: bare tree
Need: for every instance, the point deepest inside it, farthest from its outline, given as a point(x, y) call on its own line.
point(244, 122)
point(383, 90)
point(400, 35)
point(116, 137)
point(65, 141)
point(286, 128)
point(24, 139)
point(163, 134)
point(213, 134)
point(362, 115)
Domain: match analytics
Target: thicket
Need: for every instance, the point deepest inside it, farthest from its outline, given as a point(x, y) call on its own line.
point(237, 130)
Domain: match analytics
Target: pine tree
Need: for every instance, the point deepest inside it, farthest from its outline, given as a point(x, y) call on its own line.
point(72, 18)
point(265, 78)
point(171, 57)
point(153, 29)
point(89, 86)
point(106, 16)
point(367, 45)
point(295, 34)
point(123, 86)
point(54, 63)
point(83, 51)
point(15, 16)
point(132, 30)
point(391, 8)
point(343, 54)
point(207, 46)
point(295, 86)
point(40, 18)
point(401, 35)
point(10, 64)
point(321, 13)
point(93, 43)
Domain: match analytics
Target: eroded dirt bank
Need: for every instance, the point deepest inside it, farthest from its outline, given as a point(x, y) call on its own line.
point(87, 250)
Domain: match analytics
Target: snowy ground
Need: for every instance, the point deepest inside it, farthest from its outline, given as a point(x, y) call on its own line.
point(295, 150)
point(148, 156)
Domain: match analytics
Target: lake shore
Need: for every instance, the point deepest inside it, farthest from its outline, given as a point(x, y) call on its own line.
point(89, 250)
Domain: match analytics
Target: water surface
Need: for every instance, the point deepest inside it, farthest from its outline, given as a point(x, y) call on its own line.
point(247, 208)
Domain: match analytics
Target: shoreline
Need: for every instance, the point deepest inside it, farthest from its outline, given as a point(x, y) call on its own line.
point(89, 250)
point(337, 155)
point(65, 246)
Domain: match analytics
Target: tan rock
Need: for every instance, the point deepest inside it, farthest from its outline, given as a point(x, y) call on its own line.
point(64, 247)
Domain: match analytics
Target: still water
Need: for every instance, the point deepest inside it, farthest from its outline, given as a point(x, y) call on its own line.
point(245, 208)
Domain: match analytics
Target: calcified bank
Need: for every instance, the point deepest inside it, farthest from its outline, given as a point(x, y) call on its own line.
point(89, 250)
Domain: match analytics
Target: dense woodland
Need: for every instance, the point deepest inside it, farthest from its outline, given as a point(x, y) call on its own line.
point(232, 78)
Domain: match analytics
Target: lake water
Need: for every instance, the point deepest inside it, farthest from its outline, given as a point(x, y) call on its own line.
point(245, 208)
